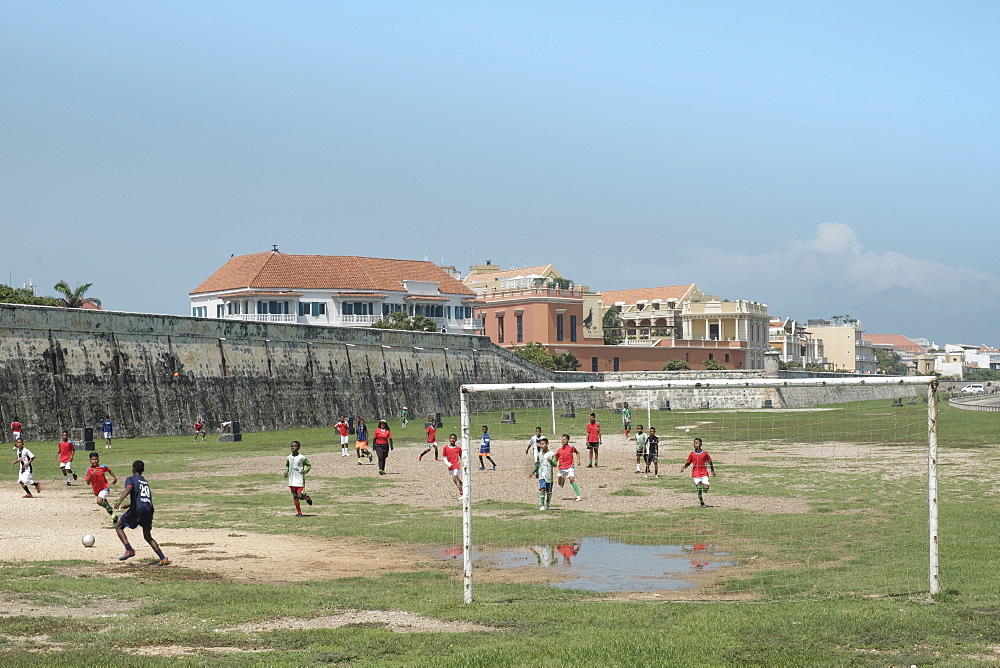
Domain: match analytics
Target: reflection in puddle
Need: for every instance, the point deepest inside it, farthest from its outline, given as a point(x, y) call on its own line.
point(599, 564)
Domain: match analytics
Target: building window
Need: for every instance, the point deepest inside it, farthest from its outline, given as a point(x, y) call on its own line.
point(500, 329)
point(711, 356)
point(616, 365)
point(572, 329)
point(520, 328)
point(220, 311)
point(727, 357)
point(559, 328)
point(593, 364)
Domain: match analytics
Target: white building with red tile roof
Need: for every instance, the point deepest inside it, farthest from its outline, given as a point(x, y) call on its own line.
point(345, 291)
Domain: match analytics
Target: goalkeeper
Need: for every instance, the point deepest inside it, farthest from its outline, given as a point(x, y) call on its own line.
point(701, 462)
point(296, 468)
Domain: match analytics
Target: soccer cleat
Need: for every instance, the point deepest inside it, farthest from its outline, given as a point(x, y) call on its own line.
point(541, 507)
point(437, 459)
point(704, 505)
point(647, 475)
point(69, 484)
point(579, 498)
point(165, 561)
point(359, 463)
point(494, 467)
point(460, 497)
point(420, 458)
point(28, 496)
point(74, 476)
point(128, 555)
point(114, 519)
point(369, 459)
point(299, 515)
point(590, 465)
point(309, 500)
point(38, 486)
point(381, 472)
point(482, 468)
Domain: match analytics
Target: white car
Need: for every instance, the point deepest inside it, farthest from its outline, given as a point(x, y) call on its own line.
point(974, 388)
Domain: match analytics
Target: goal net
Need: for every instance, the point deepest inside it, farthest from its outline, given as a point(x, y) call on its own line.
point(812, 488)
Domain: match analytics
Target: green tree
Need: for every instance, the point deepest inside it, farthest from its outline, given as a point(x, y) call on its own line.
point(400, 320)
point(536, 352)
point(74, 298)
point(566, 362)
point(612, 324)
point(980, 375)
point(714, 365)
point(9, 295)
point(676, 365)
point(889, 362)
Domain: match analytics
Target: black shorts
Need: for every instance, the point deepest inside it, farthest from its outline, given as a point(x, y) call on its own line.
point(137, 519)
point(593, 446)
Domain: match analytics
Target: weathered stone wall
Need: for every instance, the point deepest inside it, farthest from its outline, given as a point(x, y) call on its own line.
point(155, 374)
point(66, 368)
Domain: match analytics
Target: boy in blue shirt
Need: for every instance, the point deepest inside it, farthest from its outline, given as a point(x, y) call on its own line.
point(106, 427)
point(484, 450)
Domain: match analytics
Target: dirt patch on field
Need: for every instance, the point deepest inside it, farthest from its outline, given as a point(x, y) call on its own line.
point(392, 620)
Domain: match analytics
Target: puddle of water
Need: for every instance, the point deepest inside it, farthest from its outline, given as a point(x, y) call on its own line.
point(602, 565)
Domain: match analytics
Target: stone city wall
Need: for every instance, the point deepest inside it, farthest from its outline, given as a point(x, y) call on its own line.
point(156, 374)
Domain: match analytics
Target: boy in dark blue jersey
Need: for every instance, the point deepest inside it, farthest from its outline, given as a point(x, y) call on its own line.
point(139, 514)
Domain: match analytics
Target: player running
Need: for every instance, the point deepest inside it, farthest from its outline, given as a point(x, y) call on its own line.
point(484, 450)
point(139, 513)
point(66, 451)
point(452, 454)
point(534, 448)
point(199, 428)
point(16, 429)
point(431, 442)
point(344, 430)
point(361, 438)
point(545, 465)
point(640, 448)
point(652, 452)
point(699, 474)
point(593, 440)
point(627, 420)
point(404, 417)
point(24, 459)
point(296, 468)
point(97, 476)
point(564, 460)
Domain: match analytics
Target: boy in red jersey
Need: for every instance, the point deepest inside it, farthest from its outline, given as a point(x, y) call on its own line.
point(564, 459)
point(199, 428)
point(431, 443)
point(593, 440)
point(66, 450)
point(699, 474)
point(453, 457)
point(343, 429)
point(15, 429)
point(97, 477)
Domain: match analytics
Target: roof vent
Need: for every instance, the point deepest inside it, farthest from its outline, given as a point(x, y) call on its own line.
point(274, 248)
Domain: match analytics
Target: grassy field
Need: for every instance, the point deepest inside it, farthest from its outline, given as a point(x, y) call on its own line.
point(77, 612)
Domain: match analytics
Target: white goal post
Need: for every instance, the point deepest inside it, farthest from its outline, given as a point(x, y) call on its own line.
point(543, 396)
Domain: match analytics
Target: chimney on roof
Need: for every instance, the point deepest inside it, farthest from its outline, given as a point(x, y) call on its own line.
point(274, 248)
point(489, 262)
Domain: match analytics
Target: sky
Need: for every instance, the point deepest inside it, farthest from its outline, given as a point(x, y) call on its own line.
point(822, 158)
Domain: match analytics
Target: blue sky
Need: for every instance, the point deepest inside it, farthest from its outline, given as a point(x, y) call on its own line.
point(823, 158)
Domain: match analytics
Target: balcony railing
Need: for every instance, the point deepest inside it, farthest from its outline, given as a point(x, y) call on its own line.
point(262, 317)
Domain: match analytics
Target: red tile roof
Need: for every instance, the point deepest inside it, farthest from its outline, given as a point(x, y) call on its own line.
point(280, 271)
point(897, 341)
point(374, 295)
point(425, 298)
point(263, 293)
point(664, 294)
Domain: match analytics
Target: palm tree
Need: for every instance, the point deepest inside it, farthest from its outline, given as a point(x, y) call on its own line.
point(74, 298)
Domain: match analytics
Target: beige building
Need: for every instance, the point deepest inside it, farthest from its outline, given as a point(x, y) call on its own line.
point(648, 314)
point(843, 345)
point(794, 343)
point(740, 320)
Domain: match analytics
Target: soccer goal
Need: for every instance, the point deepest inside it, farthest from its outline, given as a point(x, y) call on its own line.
point(811, 488)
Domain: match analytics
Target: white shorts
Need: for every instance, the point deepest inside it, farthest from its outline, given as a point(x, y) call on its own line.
point(17, 435)
point(25, 477)
point(103, 494)
point(567, 473)
point(107, 435)
point(66, 465)
point(454, 472)
point(432, 444)
point(703, 480)
point(344, 440)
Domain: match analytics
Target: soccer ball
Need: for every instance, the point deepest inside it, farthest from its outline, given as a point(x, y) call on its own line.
point(686, 430)
point(88, 540)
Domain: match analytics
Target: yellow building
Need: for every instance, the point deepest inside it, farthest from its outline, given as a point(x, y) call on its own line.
point(843, 345)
